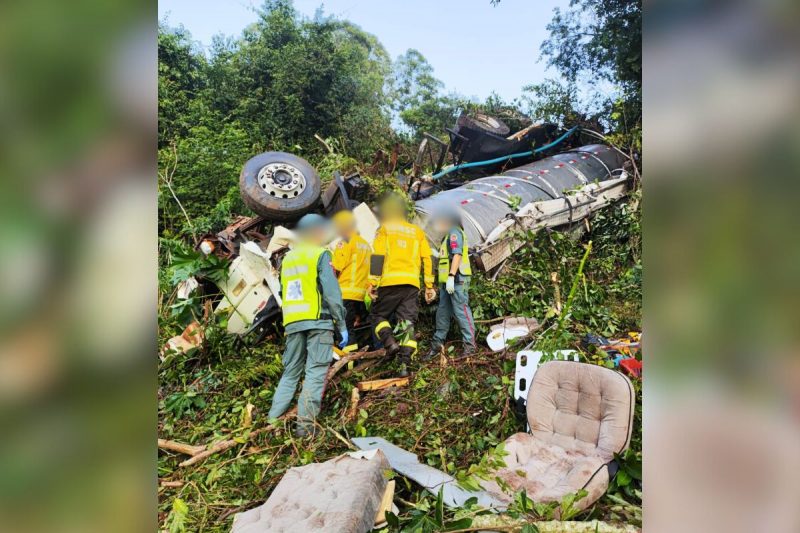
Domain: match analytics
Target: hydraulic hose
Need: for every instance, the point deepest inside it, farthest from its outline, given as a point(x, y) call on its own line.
point(506, 157)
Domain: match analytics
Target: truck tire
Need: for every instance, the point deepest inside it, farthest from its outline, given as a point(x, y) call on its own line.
point(279, 186)
point(484, 123)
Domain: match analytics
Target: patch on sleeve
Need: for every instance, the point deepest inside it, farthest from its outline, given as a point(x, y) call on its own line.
point(453, 241)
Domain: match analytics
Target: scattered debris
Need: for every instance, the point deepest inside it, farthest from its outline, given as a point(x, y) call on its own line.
point(344, 494)
point(476, 138)
point(386, 506)
point(252, 285)
point(620, 351)
point(433, 480)
point(516, 525)
point(201, 453)
point(191, 338)
point(574, 436)
point(240, 230)
point(355, 397)
point(186, 288)
point(344, 193)
point(632, 367)
point(510, 328)
point(379, 384)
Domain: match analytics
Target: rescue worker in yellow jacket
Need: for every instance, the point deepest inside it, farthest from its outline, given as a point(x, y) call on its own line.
point(311, 306)
point(400, 249)
point(351, 264)
point(454, 274)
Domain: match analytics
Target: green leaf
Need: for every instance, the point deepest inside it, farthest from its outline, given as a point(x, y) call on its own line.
point(440, 508)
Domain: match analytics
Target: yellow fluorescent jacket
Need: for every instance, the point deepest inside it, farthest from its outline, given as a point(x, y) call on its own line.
point(351, 261)
point(301, 297)
point(404, 249)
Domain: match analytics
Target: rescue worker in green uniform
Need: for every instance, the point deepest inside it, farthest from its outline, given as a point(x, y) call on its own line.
point(312, 306)
point(454, 275)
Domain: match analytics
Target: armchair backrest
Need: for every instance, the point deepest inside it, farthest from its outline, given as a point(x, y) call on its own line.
point(581, 407)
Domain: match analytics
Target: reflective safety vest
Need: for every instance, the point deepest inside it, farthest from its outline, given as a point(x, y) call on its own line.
point(351, 259)
point(444, 258)
point(300, 290)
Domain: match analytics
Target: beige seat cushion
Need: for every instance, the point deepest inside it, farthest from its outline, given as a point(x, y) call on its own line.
point(580, 415)
point(341, 495)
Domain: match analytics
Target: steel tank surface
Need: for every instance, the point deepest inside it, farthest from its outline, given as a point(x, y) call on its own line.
point(486, 202)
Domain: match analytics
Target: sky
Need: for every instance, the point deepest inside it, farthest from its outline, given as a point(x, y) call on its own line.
point(474, 48)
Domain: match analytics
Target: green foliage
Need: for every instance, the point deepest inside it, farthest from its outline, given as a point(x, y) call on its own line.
point(186, 263)
point(289, 78)
point(606, 297)
point(283, 81)
point(180, 78)
point(206, 163)
point(492, 460)
point(179, 403)
point(600, 37)
point(177, 517)
point(417, 98)
point(593, 41)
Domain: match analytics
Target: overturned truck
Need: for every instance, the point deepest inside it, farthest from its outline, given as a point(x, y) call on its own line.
point(553, 192)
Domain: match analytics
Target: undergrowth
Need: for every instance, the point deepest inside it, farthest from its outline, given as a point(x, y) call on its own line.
point(453, 417)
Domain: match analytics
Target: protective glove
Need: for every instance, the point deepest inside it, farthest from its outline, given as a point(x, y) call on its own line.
point(345, 338)
point(450, 286)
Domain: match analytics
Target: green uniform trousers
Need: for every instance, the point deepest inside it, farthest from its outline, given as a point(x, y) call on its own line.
point(312, 349)
point(454, 305)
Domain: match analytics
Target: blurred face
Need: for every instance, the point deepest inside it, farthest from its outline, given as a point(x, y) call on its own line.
point(317, 235)
point(392, 210)
point(345, 228)
point(441, 224)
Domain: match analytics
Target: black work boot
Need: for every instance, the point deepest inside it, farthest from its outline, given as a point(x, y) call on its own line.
point(302, 431)
point(391, 347)
point(404, 358)
point(432, 353)
point(469, 349)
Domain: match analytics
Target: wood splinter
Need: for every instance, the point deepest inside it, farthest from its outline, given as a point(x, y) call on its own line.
point(379, 384)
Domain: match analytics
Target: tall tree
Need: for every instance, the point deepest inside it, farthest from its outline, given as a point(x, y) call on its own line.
point(596, 40)
point(180, 79)
point(417, 97)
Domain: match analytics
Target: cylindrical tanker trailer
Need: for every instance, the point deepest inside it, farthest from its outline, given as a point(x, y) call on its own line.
point(550, 192)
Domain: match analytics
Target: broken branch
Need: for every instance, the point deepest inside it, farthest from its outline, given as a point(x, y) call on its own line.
point(201, 453)
point(179, 447)
point(378, 384)
point(223, 445)
point(508, 523)
point(341, 363)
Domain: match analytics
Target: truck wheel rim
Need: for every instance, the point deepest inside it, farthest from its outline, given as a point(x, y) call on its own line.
point(281, 180)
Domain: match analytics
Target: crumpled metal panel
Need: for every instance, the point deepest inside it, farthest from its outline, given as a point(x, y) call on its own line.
point(407, 464)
